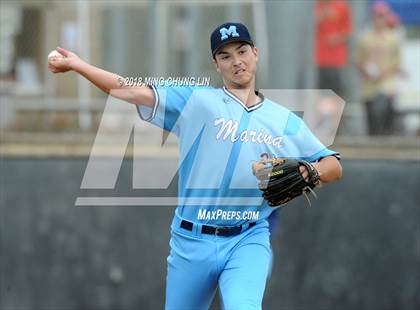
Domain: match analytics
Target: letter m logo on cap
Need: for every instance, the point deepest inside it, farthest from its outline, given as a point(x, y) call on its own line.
point(225, 33)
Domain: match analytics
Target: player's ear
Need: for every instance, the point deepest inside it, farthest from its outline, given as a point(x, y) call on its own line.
point(216, 65)
point(256, 52)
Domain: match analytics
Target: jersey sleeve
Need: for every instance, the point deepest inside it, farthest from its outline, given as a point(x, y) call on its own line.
point(169, 104)
point(305, 144)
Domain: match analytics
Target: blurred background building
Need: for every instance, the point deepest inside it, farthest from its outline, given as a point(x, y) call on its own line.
point(357, 249)
point(170, 38)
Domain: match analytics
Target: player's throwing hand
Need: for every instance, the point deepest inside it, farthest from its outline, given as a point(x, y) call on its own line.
point(64, 63)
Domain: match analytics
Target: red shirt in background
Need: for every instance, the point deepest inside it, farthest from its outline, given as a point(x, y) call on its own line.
point(333, 22)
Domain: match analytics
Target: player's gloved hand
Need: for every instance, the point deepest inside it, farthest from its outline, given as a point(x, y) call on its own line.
point(283, 179)
point(64, 63)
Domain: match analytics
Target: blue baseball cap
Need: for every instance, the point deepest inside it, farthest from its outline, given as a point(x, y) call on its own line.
point(229, 32)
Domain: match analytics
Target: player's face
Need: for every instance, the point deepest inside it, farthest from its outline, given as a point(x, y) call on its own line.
point(237, 63)
point(380, 21)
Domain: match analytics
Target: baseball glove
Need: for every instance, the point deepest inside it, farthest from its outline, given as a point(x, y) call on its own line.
point(280, 179)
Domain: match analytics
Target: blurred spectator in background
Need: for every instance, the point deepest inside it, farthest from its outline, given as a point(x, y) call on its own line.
point(394, 24)
point(333, 28)
point(392, 21)
point(10, 27)
point(333, 22)
point(378, 61)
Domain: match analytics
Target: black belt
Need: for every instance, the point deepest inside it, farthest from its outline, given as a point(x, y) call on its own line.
point(220, 231)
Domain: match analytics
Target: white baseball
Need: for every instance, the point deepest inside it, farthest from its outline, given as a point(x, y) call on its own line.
point(54, 54)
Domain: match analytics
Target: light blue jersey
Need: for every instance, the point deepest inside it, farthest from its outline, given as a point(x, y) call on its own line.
point(220, 233)
point(219, 140)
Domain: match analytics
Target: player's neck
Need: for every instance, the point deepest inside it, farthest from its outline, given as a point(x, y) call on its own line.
point(246, 94)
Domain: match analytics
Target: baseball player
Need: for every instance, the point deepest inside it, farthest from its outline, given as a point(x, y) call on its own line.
point(219, 233)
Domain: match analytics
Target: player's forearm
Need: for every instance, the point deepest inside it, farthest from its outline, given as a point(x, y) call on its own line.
point(329, 169)
point(361, 67)
point(112, 84)
point(102, 79)
point(392, 70)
